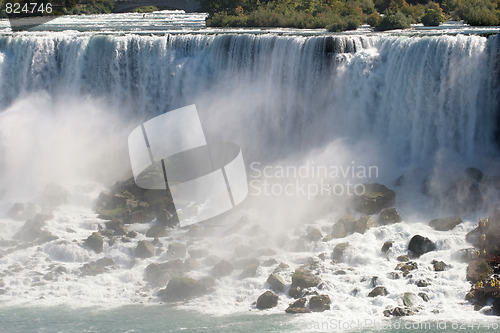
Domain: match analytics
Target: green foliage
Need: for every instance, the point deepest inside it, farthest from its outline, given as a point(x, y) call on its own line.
point(479, 12)
point(432, 18)
point(392, 21)
point(146, 9)
point(373, 19)
point(94, 7)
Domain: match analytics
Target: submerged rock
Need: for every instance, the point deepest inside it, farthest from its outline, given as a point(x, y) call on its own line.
point(445, 224)
point(267, 300)
point(389, 216)
point(375, 198)
point(419, 245)
point(184, 288)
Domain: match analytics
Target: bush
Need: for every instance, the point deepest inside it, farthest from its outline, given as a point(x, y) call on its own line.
point(432, 18)
point(373, 19)
point(393, 21)
point(479, 13)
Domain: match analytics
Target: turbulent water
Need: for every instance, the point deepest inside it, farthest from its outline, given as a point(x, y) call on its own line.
point(424, 106)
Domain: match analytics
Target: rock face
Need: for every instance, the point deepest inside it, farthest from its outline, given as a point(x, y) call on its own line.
point(378, 291)
point(267, 300)
point(375, 198)
point(364, 223)
point(319, 303)
point(478, 270)
point(223, 268)
point(276, 282)
point(183, 288)
point(144, 249)
point(304, 279)
point(95, 242)
point(389, 216)
point(419, 245)
point(445, 224)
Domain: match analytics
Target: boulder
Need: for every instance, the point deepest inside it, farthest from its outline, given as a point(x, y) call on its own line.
point(269, 262)
point(32, 228)
point(338, 231)
point(117, 226)
point(299, 306)
point(184, 288)
point(176, 250)
point(92, 269)
point(439, 266)
point(406, 267)
point(422, 283)
point(246, 262)
point(364, 223)
point(314, 234)
point(473, 237)
point(295, 292)
point(145, 249)
point(398, 312)
point(375, 198)
point(304, 279)
point(389, 216)
point(348, 221)
point(156, 231)
point(378, 291)
point(419, 245)
point(198, 253)
point(319, 303)
point(445, 224)
point(267, 300)
point(403, 258)
point(338, 251)
point(467, 255)
point(95, 242)
point(249, 271)
point(223, 268)
point(387, 245)
point(191, 264)
point(410, 300)
point(276, 283)
point(158, 275)
point(478, 270)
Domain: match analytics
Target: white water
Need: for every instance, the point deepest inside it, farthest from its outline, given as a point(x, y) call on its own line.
point(68, 101)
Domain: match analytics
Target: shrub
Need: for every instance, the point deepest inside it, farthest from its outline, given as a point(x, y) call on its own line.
point(479, 13)
point(393, 21)
point(432, 18)
point(373, 19)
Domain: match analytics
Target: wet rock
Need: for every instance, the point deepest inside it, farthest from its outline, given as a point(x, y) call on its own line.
point(387, 245)
point(314, 234)
point(267, 300)
point(406, 267)
point(54, 195)
point(184, 288)
point(22, 212)
point(281, 267)
point(389, 216)
point(319, 303)
point(338, 231)
point(473, 237)
point(422, 283)
point(249, 272)
point(223, 268)
point(375, 198)
point(338, 251)
point(32, 228)
point(439, 266)
point(348, 222)
point(410, 300)
point(197, 253)
point(132, 234)
point(424, 297)
point(117, 226)
point(49, 276)
point(191, 264)
point(478, 270)
point(299, 306)
point(176, 250)
point(467, 255)
point(243, 250)
point(445, 224)
point(393, 276)
point(92, 269)
point(246, 262)
point(105, 262)
point(378, 291)
point(145, 249)
point(304, 279)
point(158, 275)
point(474, 174)
point(364, 223)
point(269, 262)
point(95, 242)
point(398, 312)
point(157, 231)
point(403, 258)
point(419, 245)
point(211, 260)
point(295, 292)
point(276, 283)
point(298, 245)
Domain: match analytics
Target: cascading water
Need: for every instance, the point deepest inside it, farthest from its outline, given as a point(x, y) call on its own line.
point(68, 103)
